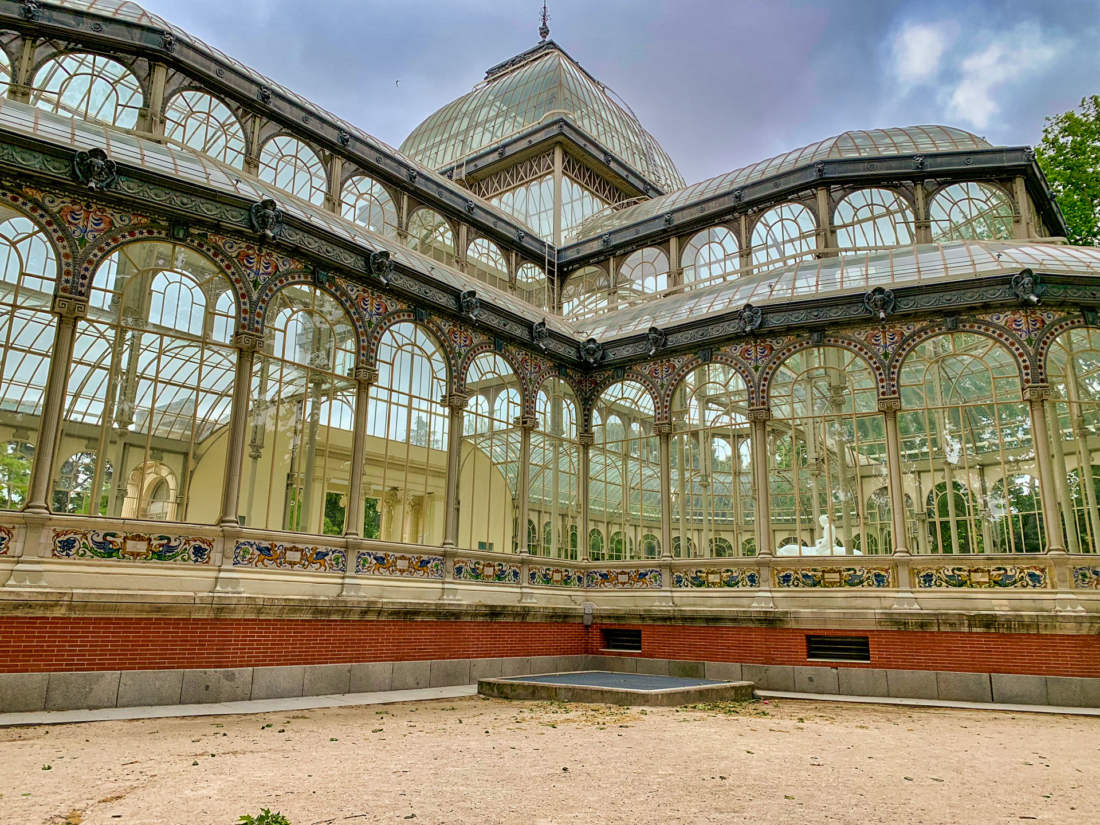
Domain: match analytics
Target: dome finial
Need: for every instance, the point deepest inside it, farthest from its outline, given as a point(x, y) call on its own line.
point(544, 29)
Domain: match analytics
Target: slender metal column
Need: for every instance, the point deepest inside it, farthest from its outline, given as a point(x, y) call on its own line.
point(456, 403)
point(664, 456)
point(20, 89)
point(247, 343)
point(559, 163)
point(365, 377)
point(889, 408)
point(1052, 522)
point(758, 421)
point(526, 425)
point(585, 441)
point(155, 113)
point(921, 222)
point(68, 311)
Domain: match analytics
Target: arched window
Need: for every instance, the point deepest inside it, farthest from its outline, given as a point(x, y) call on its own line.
point(204, 123)
point(586, 293)
point(710, 460)
point(873, 219)
point(711, 256)
point(28, 280)
point(651, 546)
point(302, 411)
point(826, 451)
point(367, 202)
point(644, 271)
point(964, 427)
point(431, 235)
point(1073, 370)
point(292, 166)
point(783, 235)
point(555, 456)
point(485, 261)
point(533, 286)
point(970, 211)
point(1017, 513)
point(682, 547)
point(489, 463)
point(595, 544)
point(5, 72)
point(90, 87)
point(406, 462)
point(624, 477)
point(149, 382)
point(76, 478)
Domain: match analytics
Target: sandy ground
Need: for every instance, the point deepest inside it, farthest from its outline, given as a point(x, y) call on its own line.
point(491, 761)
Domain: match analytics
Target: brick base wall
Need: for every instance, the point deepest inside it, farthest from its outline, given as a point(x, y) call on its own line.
point(50, 644)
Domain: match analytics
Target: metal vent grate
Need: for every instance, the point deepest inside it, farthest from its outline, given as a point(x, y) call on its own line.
point(615, 638)
point(839, 648)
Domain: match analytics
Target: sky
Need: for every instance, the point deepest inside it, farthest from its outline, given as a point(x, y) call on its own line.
point(719, 83)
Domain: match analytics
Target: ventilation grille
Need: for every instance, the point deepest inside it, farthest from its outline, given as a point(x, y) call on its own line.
point(614, 638)
point(839, 648)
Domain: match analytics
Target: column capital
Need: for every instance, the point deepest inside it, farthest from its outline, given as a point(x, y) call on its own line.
point(585, 439)
point(365, 375)
point(247, 341)
point(455, 401)
point(69, 307)
point(759, 414)
point(526, 422)
point(663, 427)
point(1037, 392)
point(889, 403)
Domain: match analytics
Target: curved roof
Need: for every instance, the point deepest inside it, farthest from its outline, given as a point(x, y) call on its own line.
point(902, 140)
point(539, 85)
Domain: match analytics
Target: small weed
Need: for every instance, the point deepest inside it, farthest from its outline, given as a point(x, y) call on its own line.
point(47, 768)
point(265, 818)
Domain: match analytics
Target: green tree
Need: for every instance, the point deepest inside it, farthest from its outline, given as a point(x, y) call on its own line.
point(1069, 155)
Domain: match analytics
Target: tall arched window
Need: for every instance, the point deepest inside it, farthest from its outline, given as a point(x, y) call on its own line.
point(554, 489)
point(368, 203)
point(406, 464)
point(489, 464)
point(873, 219)
point(485, 261)
point(970, 211)
point(711, 458)
point(1073, 370)
point(783, 235)
point(28, 279)
point(826, 452)
point(624, 476)
point(204, 123)
point(711, 256)
point(150, 383)
point(300, 437)
point(430, 234)
point(586, 293)
point(90, 87)
point(644, 271)
point(533, 286)
point(292, 166)
point(964, 428)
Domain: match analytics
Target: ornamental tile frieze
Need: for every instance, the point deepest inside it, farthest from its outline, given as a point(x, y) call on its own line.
point(649, 578)
point(109, 544)
point(1007, 577)
point(1086, 578)
point(399, 565)
point(265, 554)
point(7, 534)
point(555, 577)
point(477, 570)
point(714, 577)
point(88, 222)
point(825, 577)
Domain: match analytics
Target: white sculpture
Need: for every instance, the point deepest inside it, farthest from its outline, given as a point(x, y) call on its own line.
point(824, 546)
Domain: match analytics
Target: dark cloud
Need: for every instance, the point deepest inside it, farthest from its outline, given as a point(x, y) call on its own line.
point(720, 83)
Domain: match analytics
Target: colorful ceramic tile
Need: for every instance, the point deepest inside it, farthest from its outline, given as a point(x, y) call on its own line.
point(555, 577)
point(108, 544)
point(476, 570)
point(405, 565)
point(1009, 577)
point(633, 579)
point(6, 536)
point(262, 554)
point(743, 577)
point(834, 577)
point(1086, 578)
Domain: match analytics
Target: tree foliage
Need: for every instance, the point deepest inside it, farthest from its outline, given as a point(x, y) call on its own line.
point(1069, 155)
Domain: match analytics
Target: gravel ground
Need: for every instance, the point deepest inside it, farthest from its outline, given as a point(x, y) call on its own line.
point(537, 763)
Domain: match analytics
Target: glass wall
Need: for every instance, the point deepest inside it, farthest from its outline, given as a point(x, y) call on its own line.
point(485, 261)
point(711, 256)
point(783, 235)
point(297, 464)
point(826, 454)
point(405, 470)
point(870, 219)
point(90, 87)
point(624, 476)
point(712, 498)
point(489, 464)
point(204, 123)
point(430, 234)
point(970, 211)
point(28, 280)
point(554, 488)
point(967, 454)
point(150, 389)
point(368, 203)
point(292, 166)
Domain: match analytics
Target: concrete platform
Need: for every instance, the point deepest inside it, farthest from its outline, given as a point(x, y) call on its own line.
point(606, 687)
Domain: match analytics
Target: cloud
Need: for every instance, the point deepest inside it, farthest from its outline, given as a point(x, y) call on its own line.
point(918, 50)
point(1006, 60)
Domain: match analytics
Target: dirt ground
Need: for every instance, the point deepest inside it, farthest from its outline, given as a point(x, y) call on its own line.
point(492, 761)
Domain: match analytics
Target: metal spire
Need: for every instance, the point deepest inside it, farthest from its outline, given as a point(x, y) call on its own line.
point(544, 29)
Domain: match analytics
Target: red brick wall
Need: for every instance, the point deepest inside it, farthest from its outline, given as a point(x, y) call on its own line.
point(35, 644)
point(1040, 654)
